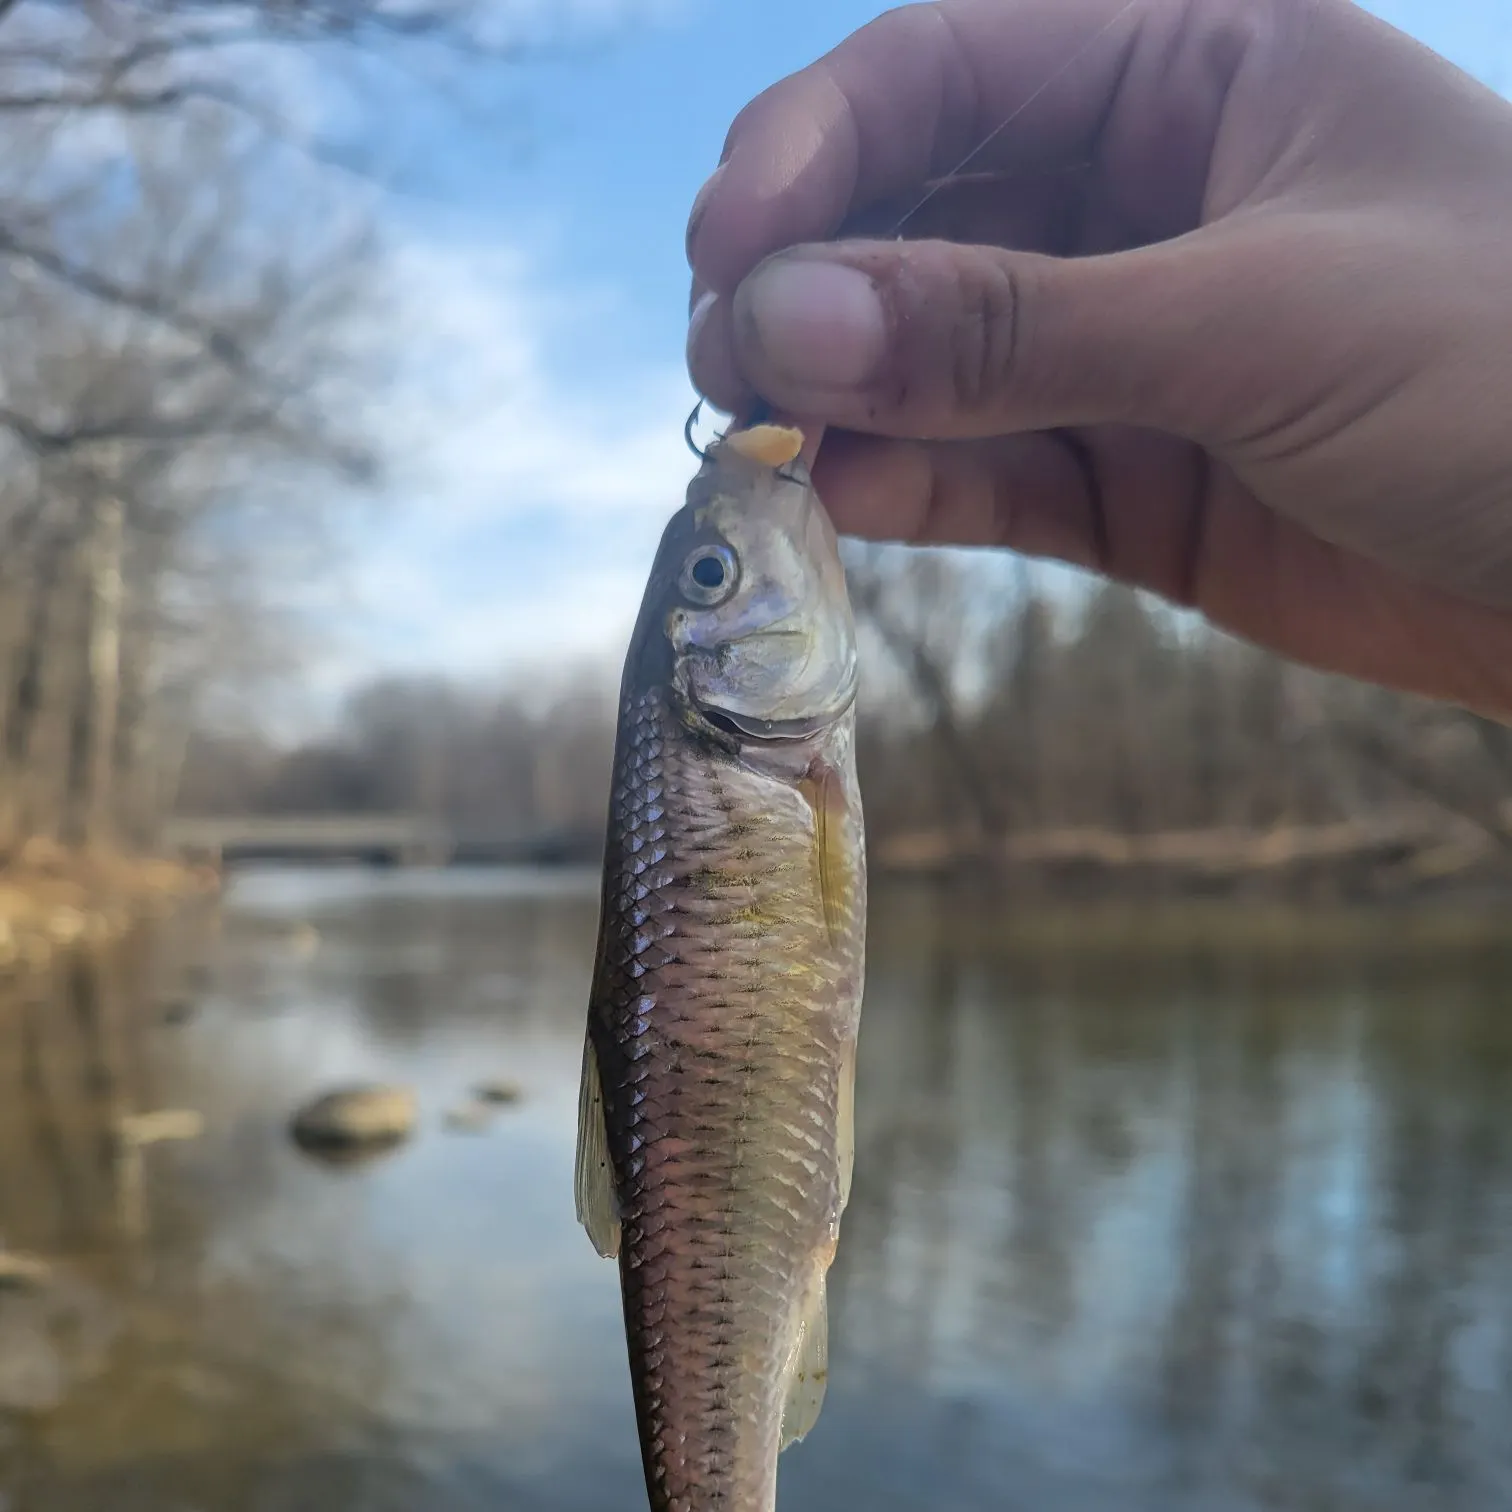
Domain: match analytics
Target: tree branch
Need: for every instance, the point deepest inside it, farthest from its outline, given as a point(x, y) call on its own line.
point(156, 306)
point(1399, 761)
point(932, 683)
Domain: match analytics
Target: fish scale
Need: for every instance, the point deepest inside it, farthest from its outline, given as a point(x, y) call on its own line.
point(705, 1233)
point(714, 1154)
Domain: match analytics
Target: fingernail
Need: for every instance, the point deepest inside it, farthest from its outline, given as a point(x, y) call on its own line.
point(700, 205)
point(817, 323)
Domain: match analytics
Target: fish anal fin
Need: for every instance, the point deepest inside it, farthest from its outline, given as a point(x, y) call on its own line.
point(809, 1375)
point(593, 1177)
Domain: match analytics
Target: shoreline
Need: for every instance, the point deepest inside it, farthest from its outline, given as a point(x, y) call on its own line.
point(53, 898)
point(1402, 858)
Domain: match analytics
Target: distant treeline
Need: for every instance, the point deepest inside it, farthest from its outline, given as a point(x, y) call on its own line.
point(1055, 738)
point(191, 275)
point(497, 765)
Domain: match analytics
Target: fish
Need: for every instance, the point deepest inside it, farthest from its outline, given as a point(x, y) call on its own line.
point(716, 1112)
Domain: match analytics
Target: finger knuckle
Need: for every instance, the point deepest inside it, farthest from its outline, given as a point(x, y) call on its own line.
point(986, 335)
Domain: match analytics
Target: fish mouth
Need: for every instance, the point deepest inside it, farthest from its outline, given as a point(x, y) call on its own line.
point(768, 731)
point(752, 727)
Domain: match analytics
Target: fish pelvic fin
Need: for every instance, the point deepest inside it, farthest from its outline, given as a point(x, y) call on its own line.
point(593, 1176)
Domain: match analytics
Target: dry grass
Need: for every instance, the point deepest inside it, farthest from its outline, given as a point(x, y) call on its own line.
point(52, 898)
point(1410, 853)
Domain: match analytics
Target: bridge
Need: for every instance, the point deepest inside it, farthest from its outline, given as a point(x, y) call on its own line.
point(376, 839)
point(383, 839)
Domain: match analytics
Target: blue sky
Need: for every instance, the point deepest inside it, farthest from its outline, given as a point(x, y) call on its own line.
point(540, 296)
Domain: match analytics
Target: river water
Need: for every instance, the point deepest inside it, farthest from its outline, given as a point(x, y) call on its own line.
point(1143, 1219)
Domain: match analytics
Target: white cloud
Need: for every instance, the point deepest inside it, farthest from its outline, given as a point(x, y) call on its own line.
point(483, 421)
point(522, 504)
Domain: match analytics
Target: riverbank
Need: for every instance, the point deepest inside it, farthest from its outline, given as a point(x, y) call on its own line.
point(1410, 856)
point(52, 898)
point(1407, 857)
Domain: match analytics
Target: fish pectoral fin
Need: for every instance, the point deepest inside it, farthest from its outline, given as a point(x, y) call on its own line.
point(593, 1178)
point(824, 790)
point(810, 1372)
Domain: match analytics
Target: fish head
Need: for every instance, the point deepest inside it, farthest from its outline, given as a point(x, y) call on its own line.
point(748, 596)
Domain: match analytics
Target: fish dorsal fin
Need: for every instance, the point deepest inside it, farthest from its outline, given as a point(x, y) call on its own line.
point(810, 1372)
point(771, 445)
point(593, 1179)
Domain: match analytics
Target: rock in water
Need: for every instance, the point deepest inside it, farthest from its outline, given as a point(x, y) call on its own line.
point(158, 1127)
point(354, 1118)
point(470, 1118)
point(498, 1092)
point(304, 941)
point(23, 1272)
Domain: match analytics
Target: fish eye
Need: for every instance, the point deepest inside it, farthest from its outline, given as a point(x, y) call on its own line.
point(708, 576)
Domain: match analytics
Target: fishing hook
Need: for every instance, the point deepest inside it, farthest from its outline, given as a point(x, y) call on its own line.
point(693, 446)
point(761, 414)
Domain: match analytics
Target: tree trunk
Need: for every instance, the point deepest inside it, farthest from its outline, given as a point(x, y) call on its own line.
point(40, 736)
point(976, 784)
point(106, 601)
point(96, 705)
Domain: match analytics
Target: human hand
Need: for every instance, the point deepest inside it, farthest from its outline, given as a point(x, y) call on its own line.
point(1228, 315)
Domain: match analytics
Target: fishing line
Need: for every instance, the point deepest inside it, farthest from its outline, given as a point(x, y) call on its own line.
point(761, 410)
point(997, 131)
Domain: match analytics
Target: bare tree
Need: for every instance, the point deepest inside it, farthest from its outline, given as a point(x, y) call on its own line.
point(186, 250)
point(911, 604)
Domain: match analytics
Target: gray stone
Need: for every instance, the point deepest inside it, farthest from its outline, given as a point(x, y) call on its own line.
point(358, 1116)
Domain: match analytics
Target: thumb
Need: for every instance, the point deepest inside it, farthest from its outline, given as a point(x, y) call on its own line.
point(941, 341)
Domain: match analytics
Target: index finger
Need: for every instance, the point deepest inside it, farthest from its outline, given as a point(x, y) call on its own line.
point(902, 101)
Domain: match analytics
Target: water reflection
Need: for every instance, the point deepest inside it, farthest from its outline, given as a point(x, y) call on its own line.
point(1226, 1230)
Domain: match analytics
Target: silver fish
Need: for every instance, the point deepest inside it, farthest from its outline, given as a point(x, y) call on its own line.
point(716, 1116)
